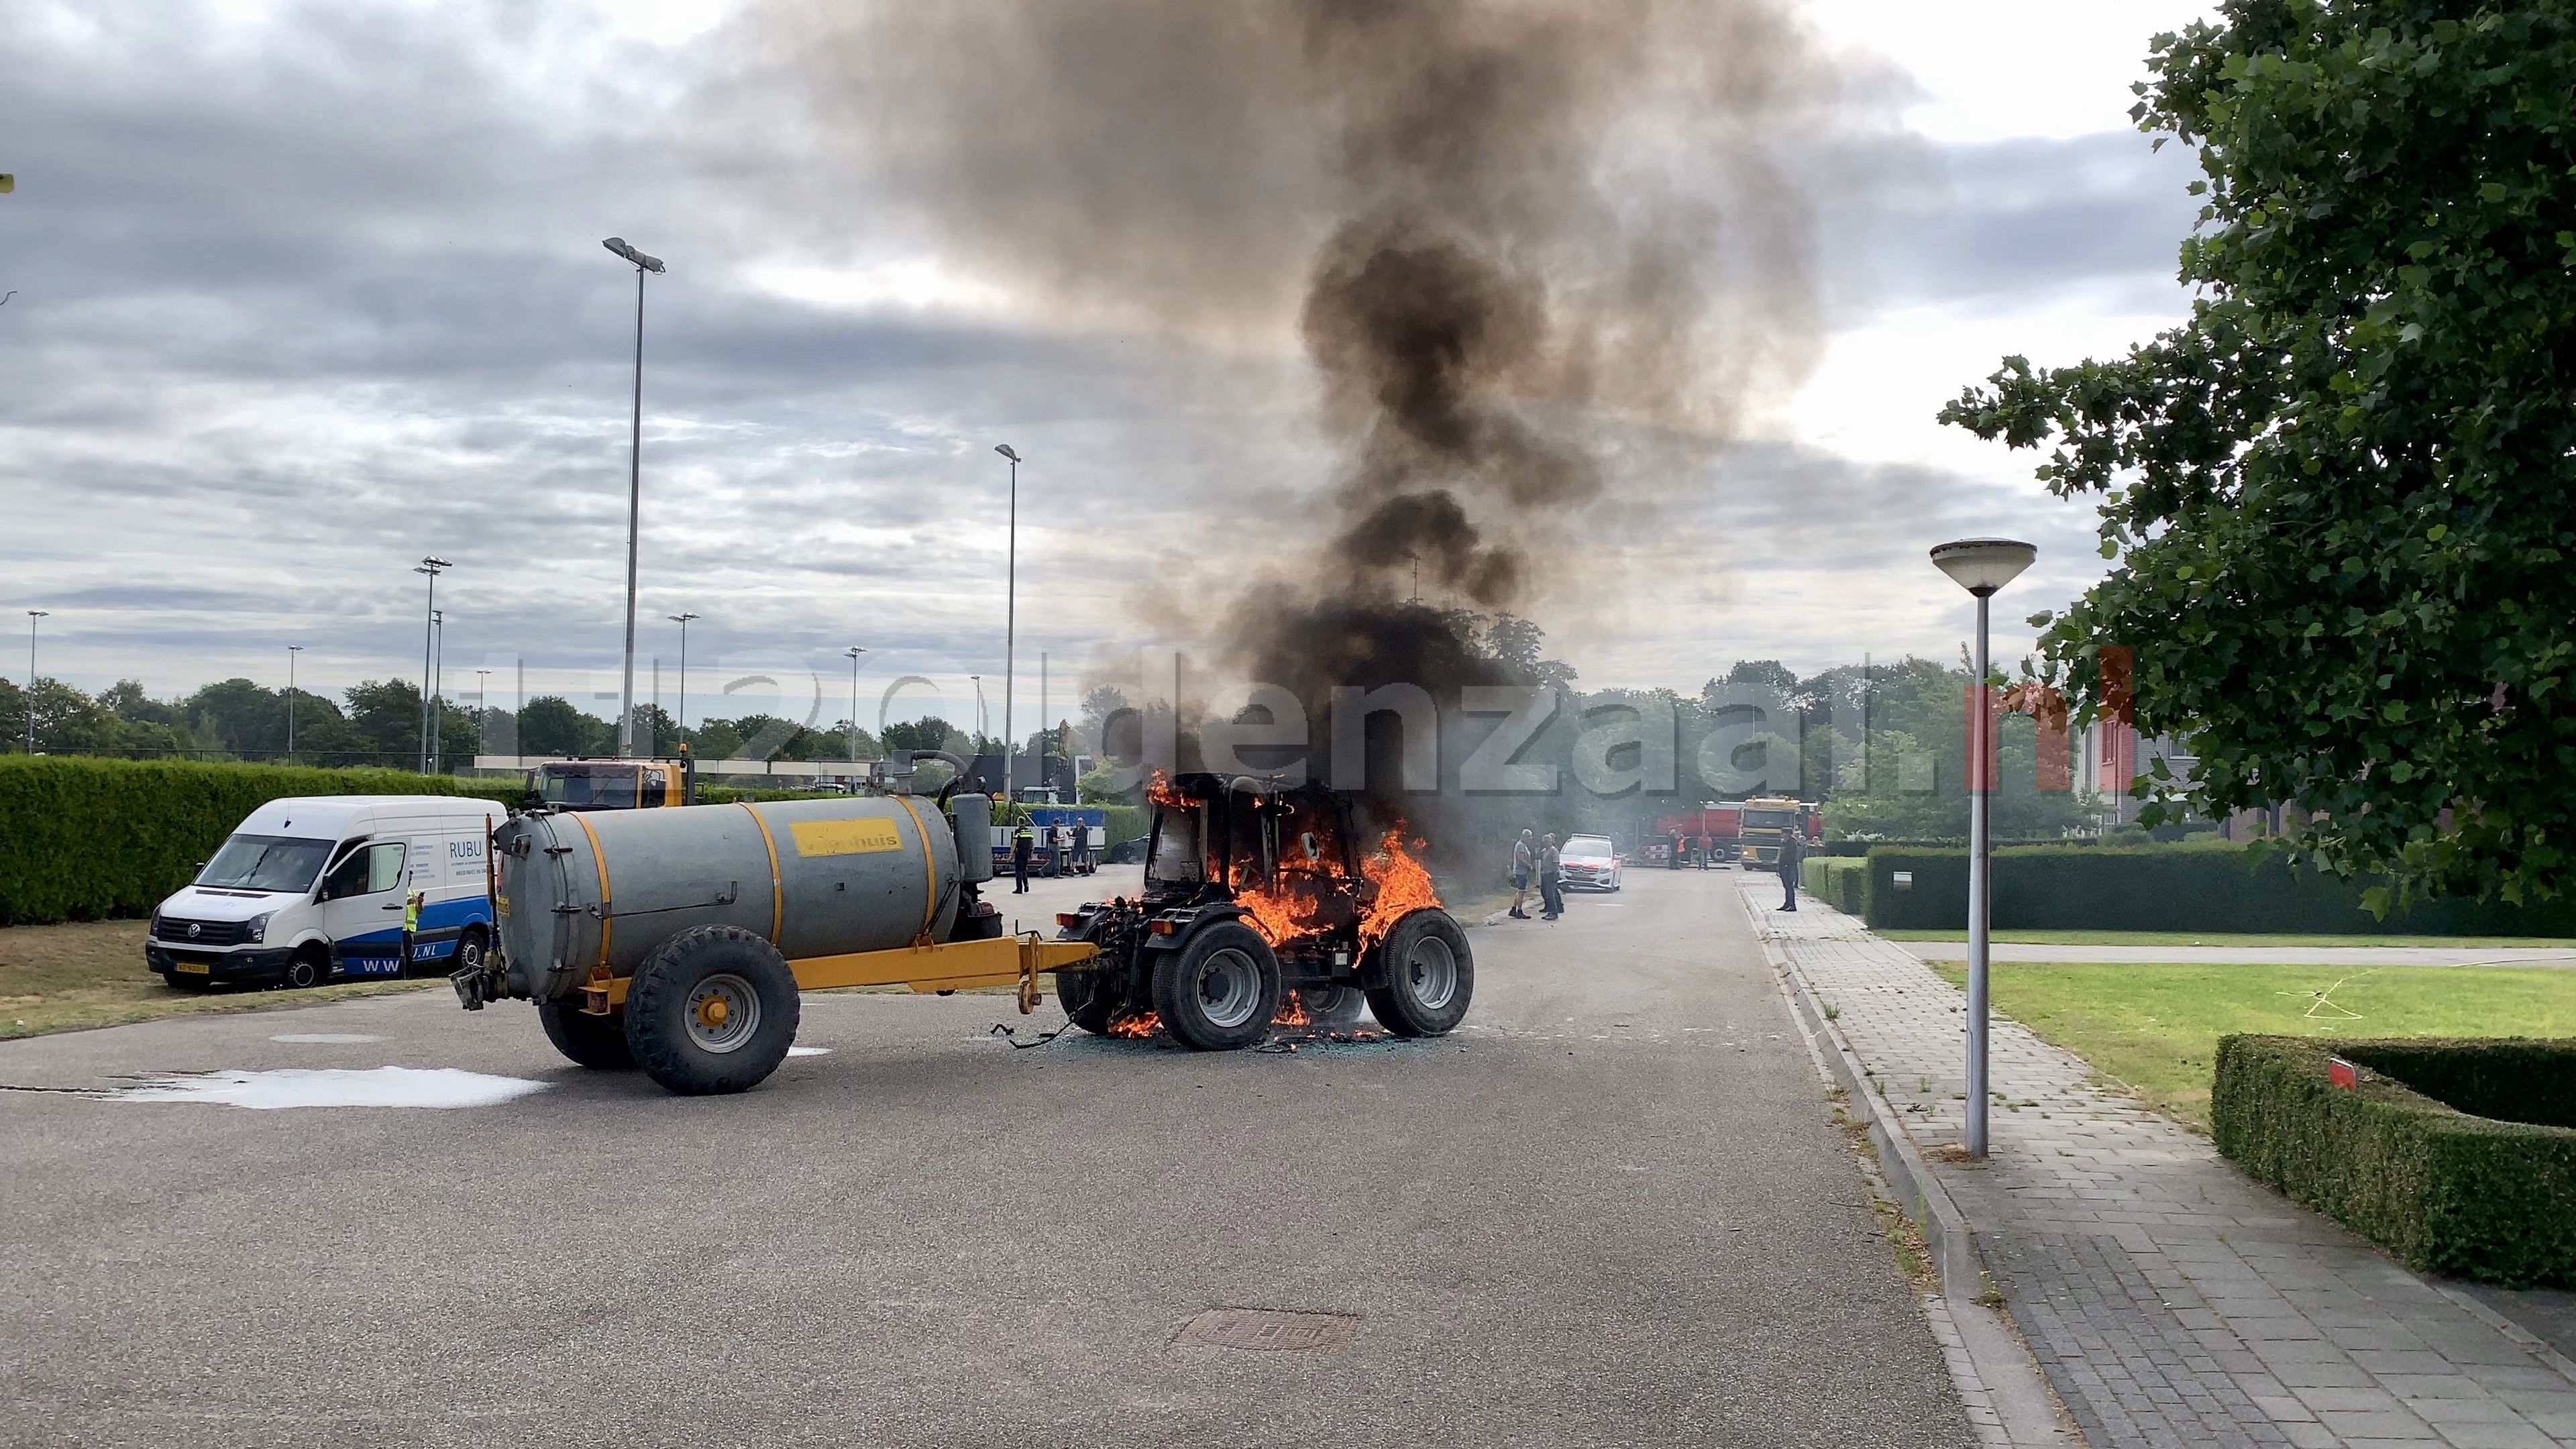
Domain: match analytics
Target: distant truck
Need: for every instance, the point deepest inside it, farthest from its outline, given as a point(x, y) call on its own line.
point(1092, 820)
point(1767, 820)
point(615, 784)
point(313, 887)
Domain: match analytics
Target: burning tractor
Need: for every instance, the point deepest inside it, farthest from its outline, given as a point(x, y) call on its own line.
point(1262, 902)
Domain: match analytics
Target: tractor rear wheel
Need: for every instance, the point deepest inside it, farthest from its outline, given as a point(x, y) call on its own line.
point(712, 1010)
point(1218, 993)
point(1430, 976)
point(586, 1040)
point(1335, 1008)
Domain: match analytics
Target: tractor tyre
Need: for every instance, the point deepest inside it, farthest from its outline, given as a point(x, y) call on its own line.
point(712, 1010)
point(1429, 976)
point(1089, 999)
point(598, 1042)
point(1218, 993)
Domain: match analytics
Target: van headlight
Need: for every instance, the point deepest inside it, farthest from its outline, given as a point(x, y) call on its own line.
point(256, 928)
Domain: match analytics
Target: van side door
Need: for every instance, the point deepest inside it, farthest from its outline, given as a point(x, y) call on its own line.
point(362, 908)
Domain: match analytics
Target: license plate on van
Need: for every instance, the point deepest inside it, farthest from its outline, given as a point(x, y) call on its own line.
point(193, 968)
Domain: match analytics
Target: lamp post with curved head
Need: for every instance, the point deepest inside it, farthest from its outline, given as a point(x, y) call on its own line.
point(854, 651)
point(431, 566)
point(291, 651)
point(634, 491)
point(32, 616)
point(1981, 566)
point(1010, 623)
point(682, 619)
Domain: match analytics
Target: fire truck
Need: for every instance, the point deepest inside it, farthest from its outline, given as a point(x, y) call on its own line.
point(1717, 823)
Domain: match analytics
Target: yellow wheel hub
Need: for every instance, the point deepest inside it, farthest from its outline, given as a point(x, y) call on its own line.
point(712, 1012)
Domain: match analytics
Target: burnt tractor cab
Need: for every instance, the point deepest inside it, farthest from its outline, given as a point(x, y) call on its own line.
point(1264, 900)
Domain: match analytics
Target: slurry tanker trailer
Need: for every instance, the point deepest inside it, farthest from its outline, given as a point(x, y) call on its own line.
point(676, 940)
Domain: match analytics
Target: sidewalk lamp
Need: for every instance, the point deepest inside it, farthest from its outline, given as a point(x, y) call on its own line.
point(682, 619)
point(634, 491)
point(854, 651)
point(430, 566)
point(1010, 621)
point(1981, 566)
point(32, 616)
point(291, 651)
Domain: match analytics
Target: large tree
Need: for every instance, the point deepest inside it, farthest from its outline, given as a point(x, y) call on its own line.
point(2337, 497)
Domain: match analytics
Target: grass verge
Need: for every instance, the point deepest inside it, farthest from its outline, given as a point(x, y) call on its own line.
point(2155, 1028)
point(90, 973)
point(2204, 938)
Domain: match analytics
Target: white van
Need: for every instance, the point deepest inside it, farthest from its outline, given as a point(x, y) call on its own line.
point(312, 887)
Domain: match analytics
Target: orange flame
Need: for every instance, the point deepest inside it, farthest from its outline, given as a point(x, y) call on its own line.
point(1159, 791)
point(1142, 1024)
point(1297, 905)
point(1292, 1012)
point(1402, 886)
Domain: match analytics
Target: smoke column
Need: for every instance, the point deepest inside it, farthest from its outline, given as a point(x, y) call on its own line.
point(1543, 255)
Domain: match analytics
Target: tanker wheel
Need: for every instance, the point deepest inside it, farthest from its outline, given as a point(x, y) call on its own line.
point(1218, 993)
point(584, 1039)
point(714, 1009)
point(1089, 999)
point(1335, 1007)
point(1430, 976)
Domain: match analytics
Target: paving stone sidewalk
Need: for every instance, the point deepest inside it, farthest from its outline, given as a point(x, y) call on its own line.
point(2169, 1300)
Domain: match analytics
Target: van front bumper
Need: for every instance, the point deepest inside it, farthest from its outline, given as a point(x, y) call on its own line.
point(230, 968)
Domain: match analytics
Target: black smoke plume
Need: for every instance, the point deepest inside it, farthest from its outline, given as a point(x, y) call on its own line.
point(1543, 255)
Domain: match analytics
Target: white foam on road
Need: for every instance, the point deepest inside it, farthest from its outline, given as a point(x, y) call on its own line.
point(797, 1051)
point(327, 1038)
point(301, 1087)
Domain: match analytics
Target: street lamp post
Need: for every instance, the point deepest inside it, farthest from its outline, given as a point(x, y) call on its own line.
point(983, 721)
point(634, 491)
point(682, 619)
point(1981, 566)
point(291, 651)
point(1010, 622)
point(430, 566)
point(854, 651)
point(437, 685)
point(32, 616)
point(483, 707)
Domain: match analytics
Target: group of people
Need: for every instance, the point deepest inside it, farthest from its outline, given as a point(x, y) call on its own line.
point(1536, 860)
point(1068, 849)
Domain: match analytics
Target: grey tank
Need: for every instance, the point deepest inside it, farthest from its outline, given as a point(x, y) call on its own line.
point(577, 891)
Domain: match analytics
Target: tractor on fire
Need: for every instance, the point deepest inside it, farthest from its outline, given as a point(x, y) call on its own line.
point(1262, 901)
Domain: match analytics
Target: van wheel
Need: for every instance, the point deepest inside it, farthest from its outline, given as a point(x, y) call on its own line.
point(1218, 993)
point(713, 1010)
point(1430, 977)
point(307, 968)
point(468, 955)
point(585, 1040)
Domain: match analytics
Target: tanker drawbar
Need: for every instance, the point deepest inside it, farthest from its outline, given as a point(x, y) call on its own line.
point(677, 939)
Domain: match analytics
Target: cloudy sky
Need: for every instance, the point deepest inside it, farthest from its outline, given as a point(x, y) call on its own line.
point(303, 292)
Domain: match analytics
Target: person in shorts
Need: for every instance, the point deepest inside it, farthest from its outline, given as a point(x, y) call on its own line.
point(1524, 859)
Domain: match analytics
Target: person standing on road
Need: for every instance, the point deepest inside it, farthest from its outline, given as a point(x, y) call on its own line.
point(1793, 849)
point(1707, 847)
point(1551, 893)
point(1524, 860)
point(1024, 843)
point(1675, 862)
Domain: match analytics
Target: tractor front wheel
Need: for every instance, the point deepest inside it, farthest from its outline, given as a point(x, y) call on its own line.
point(1429, 976)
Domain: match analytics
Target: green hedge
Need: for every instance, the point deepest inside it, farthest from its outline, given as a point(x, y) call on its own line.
point(1837, 880)
point(86, 839)
point(2490, 1196)
point(2180, 887)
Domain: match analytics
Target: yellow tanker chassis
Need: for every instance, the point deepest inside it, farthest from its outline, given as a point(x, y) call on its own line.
point(951, 966)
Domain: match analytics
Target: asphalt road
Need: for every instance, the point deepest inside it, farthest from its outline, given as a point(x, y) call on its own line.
point(1612, 1211)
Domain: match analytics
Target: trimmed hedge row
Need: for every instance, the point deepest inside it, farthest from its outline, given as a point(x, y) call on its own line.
point(85, 839)
point(1840, 881)
point(2489, 1194)
point(2169, 888)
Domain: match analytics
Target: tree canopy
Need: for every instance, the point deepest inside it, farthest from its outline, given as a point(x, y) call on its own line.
point(2337, 495)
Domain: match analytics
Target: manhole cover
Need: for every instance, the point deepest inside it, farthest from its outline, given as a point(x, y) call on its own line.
point(1263, 1330)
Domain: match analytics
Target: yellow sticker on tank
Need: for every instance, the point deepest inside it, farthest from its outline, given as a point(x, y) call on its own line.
point(844, 837)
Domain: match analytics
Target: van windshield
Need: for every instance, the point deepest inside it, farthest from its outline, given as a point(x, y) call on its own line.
point(265, 863)
point(1588, 846)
